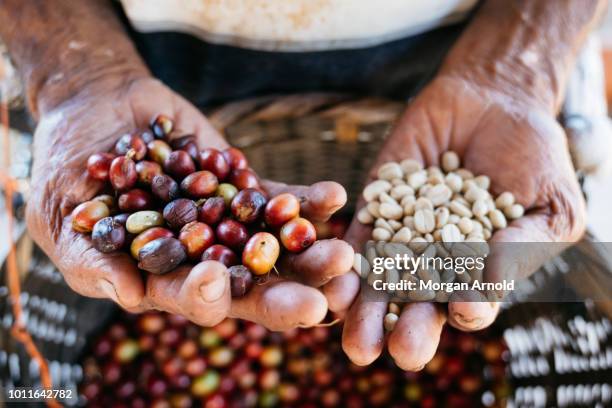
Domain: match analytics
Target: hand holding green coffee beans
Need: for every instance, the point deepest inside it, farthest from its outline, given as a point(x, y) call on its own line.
point(160, 211)
point(521, 148)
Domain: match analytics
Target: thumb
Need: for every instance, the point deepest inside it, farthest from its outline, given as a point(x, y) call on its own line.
point(342, 290)
point(516, 252)
point(530, 241)
point(202, 293)
point(520, 249)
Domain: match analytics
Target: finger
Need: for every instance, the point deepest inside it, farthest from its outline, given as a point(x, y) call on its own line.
point(281, 305)
point(202, 293)
point(414, 340)
point(324, 260)
point(509, 261)
point(319, 201)
point(363, 334)
point(516, 252)
point(471, 314)
point(94, 274)
point(341, 292)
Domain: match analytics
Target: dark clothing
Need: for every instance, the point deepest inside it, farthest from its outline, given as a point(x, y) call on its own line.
point(212, 74)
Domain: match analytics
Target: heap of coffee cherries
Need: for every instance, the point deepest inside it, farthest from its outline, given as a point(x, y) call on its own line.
point(171, 203)
point(159, 360)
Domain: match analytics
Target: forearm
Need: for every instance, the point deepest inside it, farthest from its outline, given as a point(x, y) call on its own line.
point(525, 47)
point(62, 47)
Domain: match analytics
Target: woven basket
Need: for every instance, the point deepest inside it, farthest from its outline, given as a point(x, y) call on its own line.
point(295, 139)
point(302, 139)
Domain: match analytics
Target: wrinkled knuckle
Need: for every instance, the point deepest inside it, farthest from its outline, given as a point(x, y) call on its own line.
point(568, 213)
point(206, 318)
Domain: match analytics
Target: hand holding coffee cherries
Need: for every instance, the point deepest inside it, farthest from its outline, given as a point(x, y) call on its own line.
point(231, 208)
point(520, 146)
point(170, 198)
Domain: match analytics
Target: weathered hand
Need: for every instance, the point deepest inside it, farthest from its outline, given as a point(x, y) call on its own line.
point(522, 149)
point(91, 122)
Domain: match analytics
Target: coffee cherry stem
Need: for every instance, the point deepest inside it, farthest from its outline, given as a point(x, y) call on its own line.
point(262, 279)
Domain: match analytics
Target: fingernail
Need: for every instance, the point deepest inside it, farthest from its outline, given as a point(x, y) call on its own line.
point(471, 323)
point(108, 289)
point(212, 291)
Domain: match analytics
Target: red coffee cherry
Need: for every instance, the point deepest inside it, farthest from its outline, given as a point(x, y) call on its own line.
point(98, 165)
point(212, 160)
point(280, 209)
point(235, 158)
point(298, 234)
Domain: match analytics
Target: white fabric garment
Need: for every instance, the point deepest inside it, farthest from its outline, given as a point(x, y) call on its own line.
point(295, 25)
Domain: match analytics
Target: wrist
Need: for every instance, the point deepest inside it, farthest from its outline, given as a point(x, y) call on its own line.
point(47, 91)
point(525, 48)
point(63, 48)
